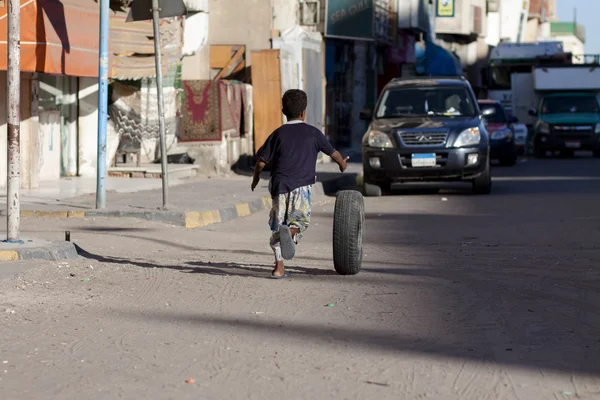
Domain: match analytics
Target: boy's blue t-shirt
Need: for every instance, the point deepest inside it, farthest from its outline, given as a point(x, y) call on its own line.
point(292, 152)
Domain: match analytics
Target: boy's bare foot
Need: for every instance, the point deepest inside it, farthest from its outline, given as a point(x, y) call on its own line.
point(279, 271)
point(294, 232)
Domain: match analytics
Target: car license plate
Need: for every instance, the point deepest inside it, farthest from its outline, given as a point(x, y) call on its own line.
point(573, 144)
point(423, 160)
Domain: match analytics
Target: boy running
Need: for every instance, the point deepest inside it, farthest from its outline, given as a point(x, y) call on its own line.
point(292, 152)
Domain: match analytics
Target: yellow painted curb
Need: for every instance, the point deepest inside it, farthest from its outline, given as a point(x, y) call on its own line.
point(45, 214)
point(267, 202)
point(9, 255)
point(53, 214)
point(243, 210)
point(195, 219)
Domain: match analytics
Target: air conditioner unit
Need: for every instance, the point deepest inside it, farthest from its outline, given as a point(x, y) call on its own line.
point(310, 12)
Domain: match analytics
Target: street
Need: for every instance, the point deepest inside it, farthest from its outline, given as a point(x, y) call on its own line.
point(460, 297)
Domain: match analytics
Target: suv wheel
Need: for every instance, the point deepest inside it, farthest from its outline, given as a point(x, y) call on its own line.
point(372, 190)
point(539, 152)
point(597, 153)
point(483, 183)
point(567, 153)
point(509, 161)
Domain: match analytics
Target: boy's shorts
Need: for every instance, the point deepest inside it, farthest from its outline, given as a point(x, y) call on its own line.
point(292, 209)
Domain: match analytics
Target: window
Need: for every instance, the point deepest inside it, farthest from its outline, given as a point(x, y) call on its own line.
point(424, 101)
point(570, 105)
point(493, 113)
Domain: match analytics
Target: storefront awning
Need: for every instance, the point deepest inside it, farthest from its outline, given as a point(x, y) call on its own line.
point(62, 37)
point(57, 37)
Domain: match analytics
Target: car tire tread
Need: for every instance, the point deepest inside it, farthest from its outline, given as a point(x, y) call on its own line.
point(483, 183)
point(348, 225)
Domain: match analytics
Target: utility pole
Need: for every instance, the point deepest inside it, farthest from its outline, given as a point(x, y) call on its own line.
point(102, 105)
point(161, 105)
point(13, 185)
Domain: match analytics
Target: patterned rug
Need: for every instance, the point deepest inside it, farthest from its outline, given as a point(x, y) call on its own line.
point(233, 109)
point(201, 114)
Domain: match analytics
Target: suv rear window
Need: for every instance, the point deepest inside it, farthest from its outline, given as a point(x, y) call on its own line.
point(423, 101)
point(493, 113)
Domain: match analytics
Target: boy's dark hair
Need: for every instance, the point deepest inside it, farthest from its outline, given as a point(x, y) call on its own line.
point(294, 103)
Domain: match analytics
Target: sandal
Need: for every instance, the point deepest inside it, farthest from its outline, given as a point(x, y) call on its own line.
point(288, 246)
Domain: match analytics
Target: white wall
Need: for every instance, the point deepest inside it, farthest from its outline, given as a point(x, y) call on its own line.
point(510, 12)
point(88, 129)
point(29, 135)
point(285, 14)
point(572, 44)
point(493, 29)
point(50, 146)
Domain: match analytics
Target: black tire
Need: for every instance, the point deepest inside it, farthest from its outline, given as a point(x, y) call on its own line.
point(348, 223)
point(567, 153)
point(539, 153)
point(371, 190)
point(509, 161)
point(597, 153)
point(483, 183)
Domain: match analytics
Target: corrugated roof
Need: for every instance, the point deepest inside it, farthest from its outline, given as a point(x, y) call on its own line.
point(132, 46)
point(61, 37)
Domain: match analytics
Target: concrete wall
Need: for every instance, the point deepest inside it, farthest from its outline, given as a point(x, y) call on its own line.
point(232, 22)
point(246, 23)
point(532, 31)
point(462, 22)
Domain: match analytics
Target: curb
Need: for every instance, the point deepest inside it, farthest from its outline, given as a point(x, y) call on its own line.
point(198, 219)
point(187, 219)
point(51, 251)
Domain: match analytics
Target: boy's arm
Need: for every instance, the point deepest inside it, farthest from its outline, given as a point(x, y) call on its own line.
point(260, 165)
point(326, 147)
point(342, 162)
point(264, 156)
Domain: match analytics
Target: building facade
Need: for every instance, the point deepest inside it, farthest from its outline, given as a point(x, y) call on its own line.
point(461, 28)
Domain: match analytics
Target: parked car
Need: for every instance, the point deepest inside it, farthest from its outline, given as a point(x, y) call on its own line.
point(503, 145)
point(566, 122)
point(425, 129)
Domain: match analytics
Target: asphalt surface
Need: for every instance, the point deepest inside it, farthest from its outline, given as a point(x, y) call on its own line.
point(460, 297)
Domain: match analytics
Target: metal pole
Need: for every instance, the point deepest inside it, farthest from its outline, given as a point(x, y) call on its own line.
point(102, 105)
point(13, 185)
point(161, 105)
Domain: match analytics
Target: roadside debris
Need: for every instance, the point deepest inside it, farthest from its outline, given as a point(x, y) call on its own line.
point(190, 380)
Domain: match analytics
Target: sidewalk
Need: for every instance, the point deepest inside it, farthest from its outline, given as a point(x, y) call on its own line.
point(194, 203)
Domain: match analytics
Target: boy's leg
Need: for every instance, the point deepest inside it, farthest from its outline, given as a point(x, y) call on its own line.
point(276, 218)
point(300, 210)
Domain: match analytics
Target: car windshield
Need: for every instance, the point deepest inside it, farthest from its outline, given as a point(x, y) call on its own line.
point(493, 113)
point(569, 105)
point(421, 101)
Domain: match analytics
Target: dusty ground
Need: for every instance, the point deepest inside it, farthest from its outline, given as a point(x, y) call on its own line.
point(461, 297)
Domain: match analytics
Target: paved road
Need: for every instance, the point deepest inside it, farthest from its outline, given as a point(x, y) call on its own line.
point(461, 297)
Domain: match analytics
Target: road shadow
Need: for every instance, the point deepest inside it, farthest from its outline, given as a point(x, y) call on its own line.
point(210, 268)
